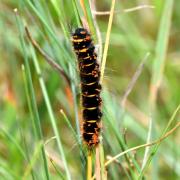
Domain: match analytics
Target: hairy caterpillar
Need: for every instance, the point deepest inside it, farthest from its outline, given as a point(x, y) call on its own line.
point(90, 86)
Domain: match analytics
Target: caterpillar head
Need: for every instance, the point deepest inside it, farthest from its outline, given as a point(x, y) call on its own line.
point(80, 33)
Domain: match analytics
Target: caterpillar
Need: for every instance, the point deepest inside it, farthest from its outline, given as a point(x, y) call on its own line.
point(90, 86)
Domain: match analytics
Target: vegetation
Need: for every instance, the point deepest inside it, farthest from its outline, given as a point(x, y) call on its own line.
point(138, 48)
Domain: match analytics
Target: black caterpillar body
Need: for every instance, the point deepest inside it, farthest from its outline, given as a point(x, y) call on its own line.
point(90, 86)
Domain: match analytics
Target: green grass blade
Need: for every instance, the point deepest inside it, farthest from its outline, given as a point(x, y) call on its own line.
point(159, 64)
point(50, 112)
point(32, 94)
point(33, 160)
point(77, 16)
point(48, 28)
point(58, 7)
point(161, 47)
point(155, 148)
point(13, 140)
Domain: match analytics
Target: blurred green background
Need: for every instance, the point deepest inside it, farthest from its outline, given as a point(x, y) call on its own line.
point(134, 34)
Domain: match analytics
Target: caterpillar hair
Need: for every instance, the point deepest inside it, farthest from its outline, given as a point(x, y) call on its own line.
point(90, 86)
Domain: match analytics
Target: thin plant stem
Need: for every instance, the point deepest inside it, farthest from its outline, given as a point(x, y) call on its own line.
point(102, 13)
point(103, 64)
point(153, 152)
point(156, 142)
point(89, 165)
point(133, 80)
point(99, 38)
point(143, 145)
point(49, 59)
point(97, 167)
point(148, 140)
point(84, 9)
